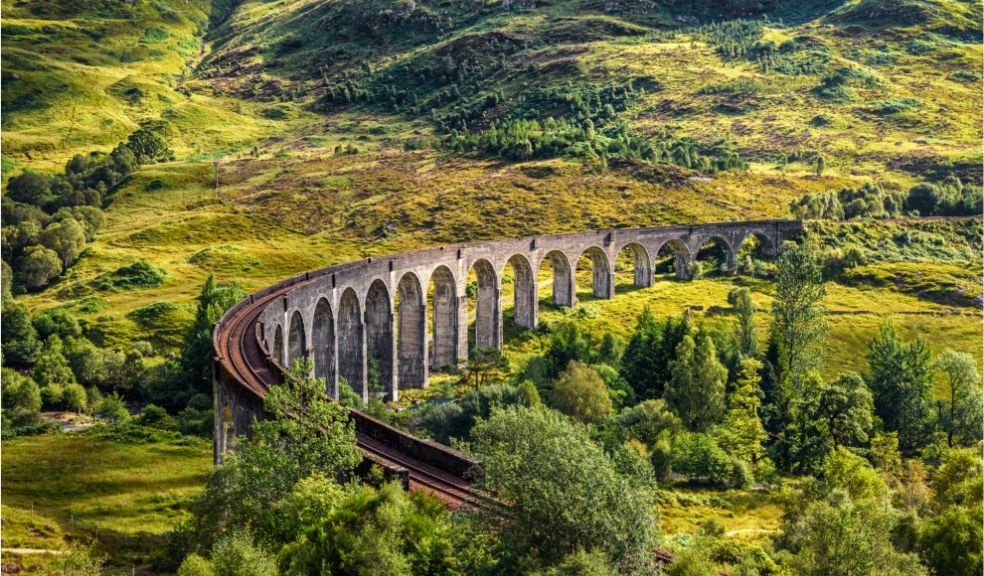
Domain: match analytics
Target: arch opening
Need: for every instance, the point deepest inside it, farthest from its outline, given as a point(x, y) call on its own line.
point(633, 267)
point(714, 257)
point(673, 258)
point(323, 346)
point(351, 342)
point(296, 344)
point(594, 261)
point(411, 333)
point(483, 288)
point(524, 283)
point(444, 322)
point(379, 339)
point(756, 255)
point(556, 264)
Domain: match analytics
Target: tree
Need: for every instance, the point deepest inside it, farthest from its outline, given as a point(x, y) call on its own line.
point(901, 384)
point(368, 531)
point(950, 543)
point(236, 555)
point(922, 198)
point(75, 398)
point(698, 456)
point(696, 387)
point(821, 165)
point(742, 434)
point(567, 344)
point(30, 188)
point(846, 405)
point(581, 394)
point(645, 363)
point(38, 267)
point(19, 338)
point(960, 412)
point(746, 333)
point(564, 492)
point(66, 238)
point(647, 420)
point(831, 535)
point(485, 365)
point(195, 565)
point(213, 301)
point(21, 398)
point(798, 322)
point(306, 433)
point(149, 147)
point(844, 470)
point(51, 367)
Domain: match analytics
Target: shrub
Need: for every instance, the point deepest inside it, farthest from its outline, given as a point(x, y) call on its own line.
point(140, 274)
point(698, 456)
point(195, 565)
point(236, 555)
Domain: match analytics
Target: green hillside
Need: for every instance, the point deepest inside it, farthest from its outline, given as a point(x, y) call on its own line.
point(151, 144)
point(308, 132)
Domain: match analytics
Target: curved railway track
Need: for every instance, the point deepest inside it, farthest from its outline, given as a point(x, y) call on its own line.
point(236, 345)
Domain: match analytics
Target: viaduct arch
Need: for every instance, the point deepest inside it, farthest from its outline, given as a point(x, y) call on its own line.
point(397, 318)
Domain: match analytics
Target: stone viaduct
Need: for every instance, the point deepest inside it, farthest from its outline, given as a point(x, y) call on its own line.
point(409, 312)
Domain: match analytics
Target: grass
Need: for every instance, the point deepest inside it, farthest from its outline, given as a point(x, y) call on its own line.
point(86, 487)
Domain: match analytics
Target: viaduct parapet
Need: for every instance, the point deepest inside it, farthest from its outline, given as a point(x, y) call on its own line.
point(409, 314)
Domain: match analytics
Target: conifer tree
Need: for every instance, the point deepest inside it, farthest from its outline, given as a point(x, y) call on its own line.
point(696, 386)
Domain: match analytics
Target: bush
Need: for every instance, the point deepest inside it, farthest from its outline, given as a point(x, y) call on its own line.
point(236, 555)
point(195, 565)
point(21, 398)
point(153, 415)
point(661, 458)
point(112, 408)
point(698, 457)
point(140, 274)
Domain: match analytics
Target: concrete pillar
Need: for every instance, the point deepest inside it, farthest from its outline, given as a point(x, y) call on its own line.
point(524, 297)
point(380, 325)
point(642, 269)
point(681, 263)
point(461, 329)
point(412, 335)
point(351, 340)
point(445, 321)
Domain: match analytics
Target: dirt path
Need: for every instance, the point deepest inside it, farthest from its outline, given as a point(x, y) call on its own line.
point(31, 551)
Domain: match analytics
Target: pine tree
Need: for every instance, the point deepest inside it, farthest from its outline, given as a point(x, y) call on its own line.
point(742, 434)
point(696, 386)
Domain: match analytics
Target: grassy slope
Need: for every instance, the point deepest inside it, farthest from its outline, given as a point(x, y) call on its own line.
point(297, 206)
point(121, 497)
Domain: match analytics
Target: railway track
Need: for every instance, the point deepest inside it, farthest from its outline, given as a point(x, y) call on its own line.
point(236, 342)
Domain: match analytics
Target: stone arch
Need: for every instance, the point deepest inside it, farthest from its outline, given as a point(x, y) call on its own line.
point(296, 341)
point(379, 334)
point(278, 344)
point(351, 342)
point(716, 247)
point(411, 333)
point(444, 328)
point(642, 264)
point(602, 281)
point(678, 251)
point(524, 292)
point(488, 313)
point(764, 243)
point(323, 345)
point(562, 293)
